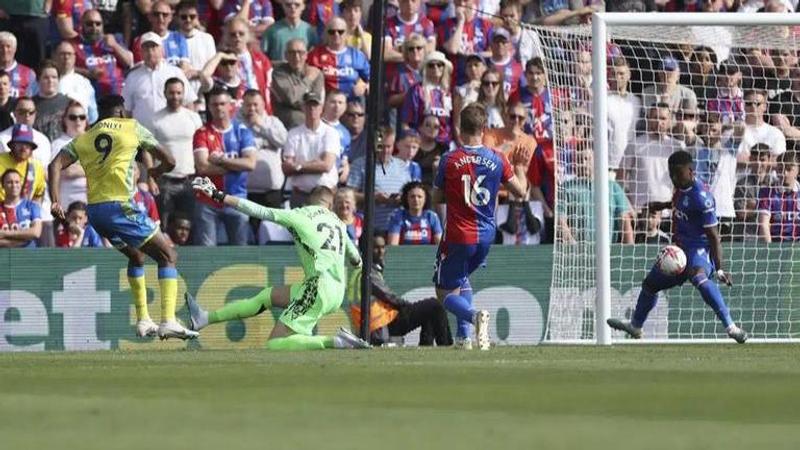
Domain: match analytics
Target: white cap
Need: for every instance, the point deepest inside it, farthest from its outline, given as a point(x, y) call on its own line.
point(150, 37)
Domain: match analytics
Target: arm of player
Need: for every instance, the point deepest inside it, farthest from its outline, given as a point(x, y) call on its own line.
point(64, 159)
point(715, 244)
point(204, 186)
point(352, 254)
point(166, 159)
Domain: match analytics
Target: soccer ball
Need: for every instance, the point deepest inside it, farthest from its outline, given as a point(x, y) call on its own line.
point(671, 260)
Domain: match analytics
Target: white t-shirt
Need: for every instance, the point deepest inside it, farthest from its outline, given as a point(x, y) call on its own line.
point(144, 91)
point(647, 170)
point(723, 182)
point(71, 189)
point(175, 130)
point(763, 134)
point(270, 138)
point(201, 49)
point(306, 145)
point(623, 113)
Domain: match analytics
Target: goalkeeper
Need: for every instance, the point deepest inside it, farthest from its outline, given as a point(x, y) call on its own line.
point(323, 246)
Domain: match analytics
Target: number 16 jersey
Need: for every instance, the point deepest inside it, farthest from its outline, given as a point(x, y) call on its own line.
point(470, 178)
point(107, 152)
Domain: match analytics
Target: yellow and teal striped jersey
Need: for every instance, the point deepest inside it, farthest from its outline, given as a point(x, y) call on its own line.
point(107, 152)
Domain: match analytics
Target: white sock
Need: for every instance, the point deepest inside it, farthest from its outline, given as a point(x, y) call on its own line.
point(731, 328)
point(338, 342)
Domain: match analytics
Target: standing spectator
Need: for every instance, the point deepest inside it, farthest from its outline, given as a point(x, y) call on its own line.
point(779, 79)
point(431, 96)
point(430, 150)
point(100, 57)
point(6, 101)
point(73, 178)
point(527, 43)
point(502, 61)
point(465, 34)
point(23, 78)
point(728, 99)
point(623, 113)
point(258, 13)
point(265, 182)
point(20, 158)
point(71, 83)
point(399, 28)
point(785, 112)
point(748, 189)
point(20, 218)
point(357, 37)
point(50, 105)
point(538, 99)
point(225, 151)
point(414, 223)
point(391, 175)
point(332, 111)
point(309, 156)
point(174, 127)
point(200, 45)
point(406, 75)
point(254, 67)
point(275, 40)
point(28, 20)
point(510, 139)
point(319, 13)
point(66, 14)
point(756, 130)
point(666, 89)
point(222, 71)
point(345, 68)
point(344, 205)
point(174, 48)
point(492, 97)
point(144, 85)
point(407, 147)
point(779, 204)
point(354, 120)
point(468, 92)
point(291, 80)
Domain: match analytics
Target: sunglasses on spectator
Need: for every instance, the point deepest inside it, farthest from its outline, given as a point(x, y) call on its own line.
point(355, 114)
point(332, 32)
point(436, 64)
point(518, 117)
point(491, 83)
point(188, 16)
point(74, 117)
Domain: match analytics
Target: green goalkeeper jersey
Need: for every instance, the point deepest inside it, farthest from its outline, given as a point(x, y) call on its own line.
point(320, 237)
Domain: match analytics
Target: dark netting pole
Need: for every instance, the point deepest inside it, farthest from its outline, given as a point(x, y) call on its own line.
point(374, 111)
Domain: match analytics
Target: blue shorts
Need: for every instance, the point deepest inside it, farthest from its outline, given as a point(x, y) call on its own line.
point(696, 258)
point(455, 263)
point(123, 224)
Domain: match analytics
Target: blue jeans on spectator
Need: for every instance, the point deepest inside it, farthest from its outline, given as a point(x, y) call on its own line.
point(207, 218)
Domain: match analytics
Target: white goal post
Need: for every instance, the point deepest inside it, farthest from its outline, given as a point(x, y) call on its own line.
point(582, 299)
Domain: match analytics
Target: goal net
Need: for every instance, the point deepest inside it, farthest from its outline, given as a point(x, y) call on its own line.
point(730, 95)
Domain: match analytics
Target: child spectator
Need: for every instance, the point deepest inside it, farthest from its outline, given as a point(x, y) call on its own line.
point(748, 188)
point(407, 147)
point(779, 204)
point(77, 232)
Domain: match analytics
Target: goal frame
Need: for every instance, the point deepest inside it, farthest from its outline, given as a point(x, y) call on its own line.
point(600, 22)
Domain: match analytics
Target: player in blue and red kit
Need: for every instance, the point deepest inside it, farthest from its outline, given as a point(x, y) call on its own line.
point(469, 178)
point(694, 225)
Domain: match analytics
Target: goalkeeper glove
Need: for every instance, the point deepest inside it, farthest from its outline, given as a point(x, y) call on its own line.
point(207, 188)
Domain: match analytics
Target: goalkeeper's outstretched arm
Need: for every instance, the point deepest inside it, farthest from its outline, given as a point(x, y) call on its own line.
point(205, 187)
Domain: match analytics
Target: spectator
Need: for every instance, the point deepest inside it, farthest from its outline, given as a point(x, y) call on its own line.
point(408, 74)
point(50, 105)
point(67, 16)
point(6, 101)
point(254, 67)
point(22, 145)
point(779, 204)
point(309, 156)
point(464, 35)
point(756, 131)
point(357, 37)
point(748, 188)
point(20, 218)
point(344, 68)
point(728, 99)
point(76, 231)
point(779, 77)
point(222, 72)
point(332, 111)
point(407, 147)
point(527, 43)
point(200, 45)
point(174, 127)
point(390, 178)
point(414, 223)
point(100, 57)
point(23, 78)
point(265, 183)
point(510, 139)
point(319, 13)
point(493, 98)
point(468, 92)
point(174, 48)
point(179, 230)
point(431, 96)
point(399, 28)
point(576, 206)
point(144, 85)
point(292, 27)
point(225, 151)
point(393, 317)
point(344, 205)
point(623, 112)
point(71, 83)
point(785, 112)
point(291, 80)
point(135, 20)
point(503, 62)
point(580, 94)
point(538, 100)
point(259, 14)
point(430, 150)
point(354, 120)
point(703, 75)
point(666, 89)
point(559, 12)
point(28, 20)
point(143, 199)
point(73, 178)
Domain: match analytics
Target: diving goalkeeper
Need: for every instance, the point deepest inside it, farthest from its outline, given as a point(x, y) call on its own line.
point(323, 246)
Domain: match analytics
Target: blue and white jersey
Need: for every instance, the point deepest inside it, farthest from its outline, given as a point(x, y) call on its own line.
point(693, 211)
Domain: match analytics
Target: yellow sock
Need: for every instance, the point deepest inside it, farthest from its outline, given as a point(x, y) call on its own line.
point(139, 294)
point(168, 282)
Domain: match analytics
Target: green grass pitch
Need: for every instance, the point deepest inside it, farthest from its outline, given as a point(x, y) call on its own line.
point(626, 397)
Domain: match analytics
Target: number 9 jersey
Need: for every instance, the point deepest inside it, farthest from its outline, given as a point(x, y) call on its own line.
point(107, 152)
point(470, 177)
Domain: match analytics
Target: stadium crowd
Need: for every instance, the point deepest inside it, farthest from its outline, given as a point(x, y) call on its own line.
point(268, 99)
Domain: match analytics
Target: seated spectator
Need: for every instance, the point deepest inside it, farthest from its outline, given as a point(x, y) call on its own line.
point(779, 204)
point(702, 75)
point(344, 68)
point(71, 83)
point(414, 223)
point(520, 223)
point(392, 316)
point(759, 175)
point(407, 147)
point(492, 97)
point(431, 96)
point(99, 56)
point(20, 218)
point(76, 231)
point(291, 80)
point(174, 48)
point(275, 40)
point(666, 89)
point(390, 178)
point(23, 78)
point(73, 178)
point(344, 205)
point(357, 37)
point(332, 111)
point(430, 150)
point(50, 105)
point(20, 158)
point(310, 152)
point(6, 101)
point(179, 230)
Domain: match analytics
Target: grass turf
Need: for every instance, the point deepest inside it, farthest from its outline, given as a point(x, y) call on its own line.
point(640, 397)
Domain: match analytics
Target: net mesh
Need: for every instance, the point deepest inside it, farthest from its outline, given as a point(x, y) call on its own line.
point(726, 95)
